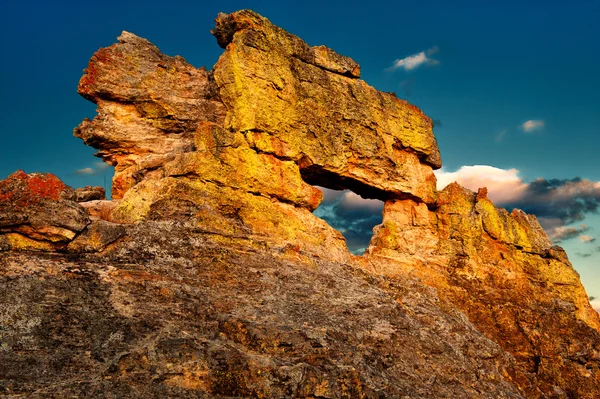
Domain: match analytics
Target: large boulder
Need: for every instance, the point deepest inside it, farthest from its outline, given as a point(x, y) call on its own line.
point(307, 104)
point(36, 212)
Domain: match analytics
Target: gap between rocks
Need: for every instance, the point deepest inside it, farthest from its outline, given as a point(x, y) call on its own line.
point(350, 214)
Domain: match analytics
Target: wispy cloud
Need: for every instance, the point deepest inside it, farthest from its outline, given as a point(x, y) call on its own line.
point(85, 171)
point(587, 239)
point(556, 202)
point(99, 167)
point(416, 60)
point(532, 125)
point(500, 135)
point(562, 233)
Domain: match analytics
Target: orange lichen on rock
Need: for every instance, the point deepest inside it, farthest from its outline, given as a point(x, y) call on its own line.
point(39, 207)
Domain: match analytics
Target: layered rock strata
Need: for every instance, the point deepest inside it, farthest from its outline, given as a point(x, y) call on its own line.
point(209, 276)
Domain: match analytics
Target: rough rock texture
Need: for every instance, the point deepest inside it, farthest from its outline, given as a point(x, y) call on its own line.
point(36, 212)
point(500, 269)
point(89, 193)
point(211, 277)
point(307, 104)
point(170, 311)
point(149, 106)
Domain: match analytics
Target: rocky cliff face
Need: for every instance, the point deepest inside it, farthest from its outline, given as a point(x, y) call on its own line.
point(208, 275)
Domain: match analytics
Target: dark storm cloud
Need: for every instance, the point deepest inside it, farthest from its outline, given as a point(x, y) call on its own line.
point(562, 233)
point(568, 200)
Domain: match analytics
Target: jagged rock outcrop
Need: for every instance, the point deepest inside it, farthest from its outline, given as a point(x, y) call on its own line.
point(306, 104)
point(500, 269)
point(89, 193)
point(149, 106)
point(37, 212)
point(209, 276)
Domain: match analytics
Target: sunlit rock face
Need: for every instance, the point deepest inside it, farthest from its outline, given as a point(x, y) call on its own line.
point(38, 212)
point(502, 271)
point(307, 104)
point(208, 275)
point(149, 106)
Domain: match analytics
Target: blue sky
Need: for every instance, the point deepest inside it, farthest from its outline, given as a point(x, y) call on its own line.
point(488, 68)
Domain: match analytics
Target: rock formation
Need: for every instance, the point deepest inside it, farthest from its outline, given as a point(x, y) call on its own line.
point(208, 275)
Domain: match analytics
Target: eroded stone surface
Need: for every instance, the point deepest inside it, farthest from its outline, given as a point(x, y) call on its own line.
point(149, 106)
point(306, 104)
point(501, 270)
point(89, 193)
point(36, 213)
point(170, 311)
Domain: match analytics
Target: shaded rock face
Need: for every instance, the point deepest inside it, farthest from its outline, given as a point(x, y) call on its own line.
point(173, 312)
point(209, 276)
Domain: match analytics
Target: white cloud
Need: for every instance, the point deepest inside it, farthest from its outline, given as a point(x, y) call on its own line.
point(556, 203)
point(595, 302)
point(532, 125)
point(503, 186)
point(416, 60)
point(587, 239)
point(352, 202)
point(85, 171)
point(560, 233)
point(102, 165)
point(98, 168)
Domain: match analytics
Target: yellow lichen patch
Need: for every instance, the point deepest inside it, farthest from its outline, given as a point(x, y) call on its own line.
point(512, 228)
point(18, 242)
point(136, 203)
point(242, 168)
point(192, 376)
point(295, 101)
point(47, 233)
point(493, 223)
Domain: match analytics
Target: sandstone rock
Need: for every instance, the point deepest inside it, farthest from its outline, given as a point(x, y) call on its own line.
point(306, 104)
point(89, 193)
point(210, 277)
point(501, 270)
point(100, 209)
point(96, 237)
point(226, 159)
point(169, 311)
point(35, 214)
point(232, 214)
point(149, 106)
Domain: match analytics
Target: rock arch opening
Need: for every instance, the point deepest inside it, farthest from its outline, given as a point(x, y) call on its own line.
point(351, 215)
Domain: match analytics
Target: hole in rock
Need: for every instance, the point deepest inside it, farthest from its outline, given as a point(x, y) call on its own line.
point(351, 215)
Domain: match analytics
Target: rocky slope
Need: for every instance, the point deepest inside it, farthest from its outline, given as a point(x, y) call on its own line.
point(208, 275)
